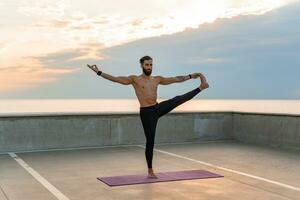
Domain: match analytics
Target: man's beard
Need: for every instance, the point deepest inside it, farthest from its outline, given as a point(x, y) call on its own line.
point(146, 72)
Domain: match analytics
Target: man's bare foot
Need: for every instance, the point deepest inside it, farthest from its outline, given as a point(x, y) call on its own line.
point(151, 173)
point(203, 86)
point(203, 81)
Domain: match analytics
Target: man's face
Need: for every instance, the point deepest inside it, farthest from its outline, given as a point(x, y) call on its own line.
point(147, 67)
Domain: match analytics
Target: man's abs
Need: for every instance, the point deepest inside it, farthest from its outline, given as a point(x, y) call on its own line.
point(146, 91)
point(146, 97)
point(147, 100)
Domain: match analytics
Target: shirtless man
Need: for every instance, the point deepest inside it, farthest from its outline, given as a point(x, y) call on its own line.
point(145, 87)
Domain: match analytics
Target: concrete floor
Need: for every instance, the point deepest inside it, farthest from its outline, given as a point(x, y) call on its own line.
point(251, 172)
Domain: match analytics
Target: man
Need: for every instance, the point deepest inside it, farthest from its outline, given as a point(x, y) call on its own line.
point(145, 87)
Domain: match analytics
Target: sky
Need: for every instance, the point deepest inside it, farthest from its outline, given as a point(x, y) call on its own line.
point(247, 49)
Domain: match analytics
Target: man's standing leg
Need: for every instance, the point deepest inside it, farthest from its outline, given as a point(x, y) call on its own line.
point(166, 106)
point(149, 122)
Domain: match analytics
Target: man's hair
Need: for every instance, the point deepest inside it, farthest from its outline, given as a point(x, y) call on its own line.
point(142, 59)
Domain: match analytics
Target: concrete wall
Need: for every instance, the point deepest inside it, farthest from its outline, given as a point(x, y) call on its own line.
point(281, 131)
point(25, 133)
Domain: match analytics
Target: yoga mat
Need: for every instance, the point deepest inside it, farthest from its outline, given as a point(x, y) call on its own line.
point(162, 177)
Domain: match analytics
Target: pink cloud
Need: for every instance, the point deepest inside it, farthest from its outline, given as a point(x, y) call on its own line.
point(25, 77)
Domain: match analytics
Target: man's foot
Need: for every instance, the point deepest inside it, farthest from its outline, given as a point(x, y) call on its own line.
point(203, 86)
point(151, 173)
point(203, 81)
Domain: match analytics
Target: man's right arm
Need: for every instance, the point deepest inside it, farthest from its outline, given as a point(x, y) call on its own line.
point(125, 80)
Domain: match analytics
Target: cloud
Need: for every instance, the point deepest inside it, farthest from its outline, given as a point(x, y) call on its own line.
point(115, 29)
point(18, 78)
point(82, 27)
point(52, 8)
point(2, 45)
point(249, 57)
point(38, 70)
point(206, 60)
point(57, 36)
point(58, 19)
point(55, 23)
point(68, 57)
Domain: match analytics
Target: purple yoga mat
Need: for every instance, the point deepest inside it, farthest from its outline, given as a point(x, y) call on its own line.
point(162, 177)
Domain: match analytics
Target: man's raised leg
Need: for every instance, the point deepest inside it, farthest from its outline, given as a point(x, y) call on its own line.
point(166, 106)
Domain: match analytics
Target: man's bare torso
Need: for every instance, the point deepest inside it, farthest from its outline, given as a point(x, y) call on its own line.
point(146, 89)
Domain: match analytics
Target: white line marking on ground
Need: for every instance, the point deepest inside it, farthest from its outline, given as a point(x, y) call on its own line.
point(227, 169)
point(39, 178)
point(70, 149)
point(3, 194)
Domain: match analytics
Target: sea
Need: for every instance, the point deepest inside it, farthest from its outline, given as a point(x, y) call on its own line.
point(24, 107)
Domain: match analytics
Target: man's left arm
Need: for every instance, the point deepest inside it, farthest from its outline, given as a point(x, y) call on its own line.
point(170, 80)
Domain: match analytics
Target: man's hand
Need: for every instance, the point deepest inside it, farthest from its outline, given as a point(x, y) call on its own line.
point(93, 67)
point(202, 77)
point(196, 75)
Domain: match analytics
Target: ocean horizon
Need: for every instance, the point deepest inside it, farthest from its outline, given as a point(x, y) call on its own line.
point(9, 107)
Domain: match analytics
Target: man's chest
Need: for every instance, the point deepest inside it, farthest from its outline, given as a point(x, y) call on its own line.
point(146, 87)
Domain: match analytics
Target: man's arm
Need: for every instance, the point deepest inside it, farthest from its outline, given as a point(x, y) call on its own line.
point(125, 80)
point(169, 80)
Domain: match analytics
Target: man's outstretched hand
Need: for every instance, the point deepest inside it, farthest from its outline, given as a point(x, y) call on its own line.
point(196, 75)
point(204, 83)
point(93, 67)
